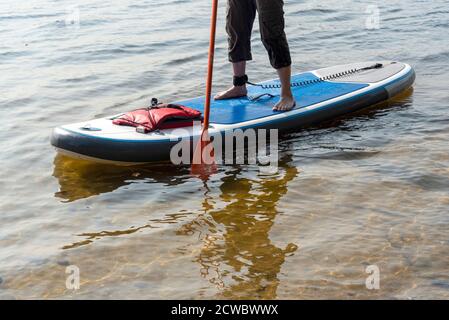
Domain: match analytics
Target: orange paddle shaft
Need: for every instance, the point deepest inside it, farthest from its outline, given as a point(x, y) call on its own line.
point(210, 66)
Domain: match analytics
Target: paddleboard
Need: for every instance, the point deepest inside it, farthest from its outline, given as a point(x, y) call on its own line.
point(321, 95)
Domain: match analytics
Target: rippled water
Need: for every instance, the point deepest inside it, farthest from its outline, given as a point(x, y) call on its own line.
point(368, 189)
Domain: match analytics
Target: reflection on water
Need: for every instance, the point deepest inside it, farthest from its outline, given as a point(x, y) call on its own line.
point(237, 254)
point(79, 179)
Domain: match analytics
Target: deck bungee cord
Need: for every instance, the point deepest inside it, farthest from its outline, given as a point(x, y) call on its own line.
point(308, 82)
point(239, 81)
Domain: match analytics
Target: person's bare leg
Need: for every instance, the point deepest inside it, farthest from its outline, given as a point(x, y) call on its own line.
point(287, 102)
point(239, 69)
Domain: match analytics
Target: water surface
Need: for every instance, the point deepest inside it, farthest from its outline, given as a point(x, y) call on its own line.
point(371, 188)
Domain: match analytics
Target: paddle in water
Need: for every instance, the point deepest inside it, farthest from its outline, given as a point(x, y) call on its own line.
point(203, 163)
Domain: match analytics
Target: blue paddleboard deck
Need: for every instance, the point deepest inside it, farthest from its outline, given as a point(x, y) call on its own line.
point(232, 111)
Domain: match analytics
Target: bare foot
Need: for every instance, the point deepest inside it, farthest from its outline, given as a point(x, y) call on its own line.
point(285, 104)
point(233, 92)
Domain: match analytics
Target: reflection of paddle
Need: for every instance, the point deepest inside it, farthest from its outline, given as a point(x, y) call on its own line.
point(203, 163)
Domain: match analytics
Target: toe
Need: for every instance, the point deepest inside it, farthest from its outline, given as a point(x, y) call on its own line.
point(284, 105)
point(281, 106)
point(220, 96)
